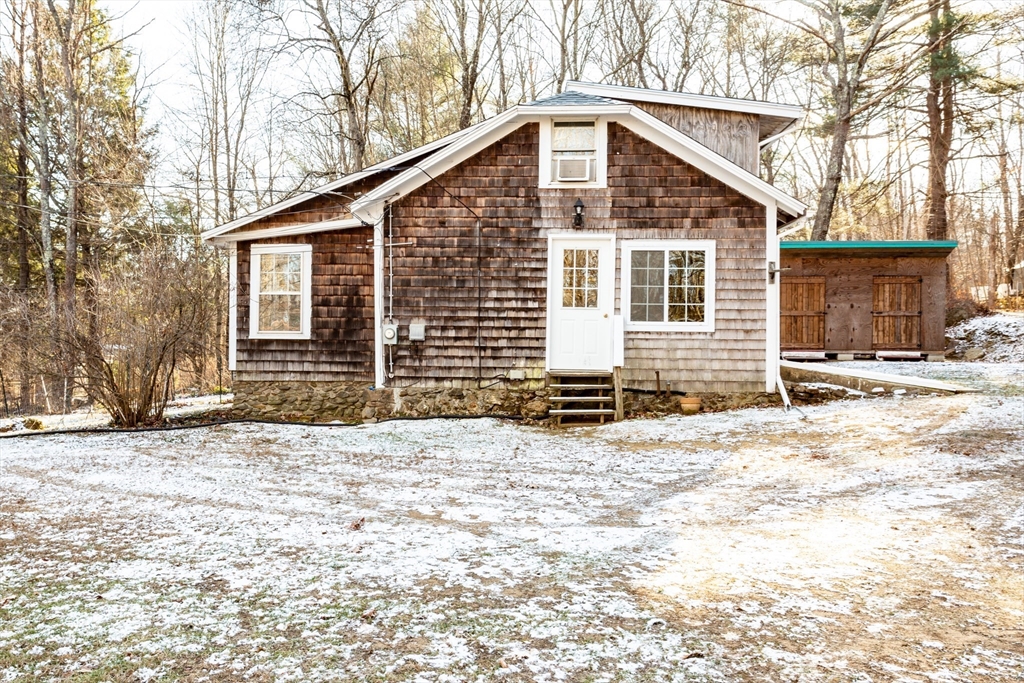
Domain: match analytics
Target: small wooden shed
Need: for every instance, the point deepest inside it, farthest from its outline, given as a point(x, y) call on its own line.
point(884, 299)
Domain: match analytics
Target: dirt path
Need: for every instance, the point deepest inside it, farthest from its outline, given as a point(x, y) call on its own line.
point(876, 540)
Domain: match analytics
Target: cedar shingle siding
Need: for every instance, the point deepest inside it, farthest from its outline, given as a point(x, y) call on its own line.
point(341, 331)
point(651, 195)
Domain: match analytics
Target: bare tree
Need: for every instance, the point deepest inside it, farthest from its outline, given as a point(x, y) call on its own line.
point(864, 59)
point(465, 26)
point(575, 36)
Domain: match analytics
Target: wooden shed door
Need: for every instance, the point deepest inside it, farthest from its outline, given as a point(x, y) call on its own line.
point(896, 312)
point(803, 313)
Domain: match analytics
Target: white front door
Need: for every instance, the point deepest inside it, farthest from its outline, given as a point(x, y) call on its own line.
point(581, 301)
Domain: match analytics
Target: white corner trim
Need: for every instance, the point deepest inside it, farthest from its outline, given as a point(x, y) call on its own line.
point(682, 99)
point(710, 270)
point(772, 304)
point(306, 284)
point(288, 230)
point(232, 307)
point(379, 377)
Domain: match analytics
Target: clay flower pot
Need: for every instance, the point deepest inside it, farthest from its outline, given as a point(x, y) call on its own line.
point(690, 405)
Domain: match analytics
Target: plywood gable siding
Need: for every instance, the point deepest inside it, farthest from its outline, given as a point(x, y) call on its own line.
point(651, 195)
point(734, 135)
point(342, 330)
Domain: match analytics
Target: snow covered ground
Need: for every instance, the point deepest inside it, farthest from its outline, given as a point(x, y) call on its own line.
point(94, 416)
point(997, 378)
point(1001, 336)
point(875, 540)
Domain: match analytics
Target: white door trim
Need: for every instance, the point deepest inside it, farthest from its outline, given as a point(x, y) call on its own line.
point(574, 236)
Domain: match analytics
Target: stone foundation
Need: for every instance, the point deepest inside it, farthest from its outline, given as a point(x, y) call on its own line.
point(358, 402)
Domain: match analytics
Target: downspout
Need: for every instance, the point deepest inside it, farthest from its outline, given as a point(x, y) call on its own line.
point(771, 284)
point(479, 304)
point(378, 301)
point(233, 305)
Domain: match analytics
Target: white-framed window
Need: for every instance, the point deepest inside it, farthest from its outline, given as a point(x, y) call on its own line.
point(573, 152)
point(280, 285)
point(668, 285)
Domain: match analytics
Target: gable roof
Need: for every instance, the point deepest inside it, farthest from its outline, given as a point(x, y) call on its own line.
point(775, 118)
point(420, 165)
point(370, 207)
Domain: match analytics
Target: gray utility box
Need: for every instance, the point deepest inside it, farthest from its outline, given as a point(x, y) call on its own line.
point(417, 331)
point(389, 331)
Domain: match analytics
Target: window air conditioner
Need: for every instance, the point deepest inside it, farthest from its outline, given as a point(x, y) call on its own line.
point(573, 169)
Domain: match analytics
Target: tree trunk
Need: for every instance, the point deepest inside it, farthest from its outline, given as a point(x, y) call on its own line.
point(834, 171)
point(939, 105)
point(65, 32)
point(44, 174)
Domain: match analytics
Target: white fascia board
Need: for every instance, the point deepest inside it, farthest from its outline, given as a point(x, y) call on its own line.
point(284, 230)
point(335, 184)
point(370, 207)
point(709, 161)
point(781, 134)
point(286, 204)
point(621, 92)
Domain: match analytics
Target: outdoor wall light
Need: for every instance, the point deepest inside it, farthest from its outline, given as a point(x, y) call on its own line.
point(577, 216)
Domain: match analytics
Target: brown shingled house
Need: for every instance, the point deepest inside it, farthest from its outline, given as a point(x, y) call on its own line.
point(604, 237)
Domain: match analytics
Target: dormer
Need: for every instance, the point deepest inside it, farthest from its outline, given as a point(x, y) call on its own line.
point(736, 129)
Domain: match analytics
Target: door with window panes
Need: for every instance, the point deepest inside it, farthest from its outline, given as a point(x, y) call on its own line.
point(581, 302)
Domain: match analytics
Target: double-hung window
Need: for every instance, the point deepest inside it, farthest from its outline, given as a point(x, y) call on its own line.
point(573, 153)
point(279, 304)
point(669, 285)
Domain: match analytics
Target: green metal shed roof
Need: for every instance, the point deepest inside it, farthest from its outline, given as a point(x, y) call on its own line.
point(869, 244)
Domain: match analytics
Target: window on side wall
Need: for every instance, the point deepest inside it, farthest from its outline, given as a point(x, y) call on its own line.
point(669, 285)
point(279, 304)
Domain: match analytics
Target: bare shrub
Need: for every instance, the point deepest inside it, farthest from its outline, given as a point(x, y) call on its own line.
point(961, 308)
point(147, 312)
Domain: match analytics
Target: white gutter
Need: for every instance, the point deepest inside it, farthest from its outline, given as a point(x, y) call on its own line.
point(285, 230)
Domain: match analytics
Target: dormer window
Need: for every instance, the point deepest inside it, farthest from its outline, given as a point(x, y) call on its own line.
point(573, 152)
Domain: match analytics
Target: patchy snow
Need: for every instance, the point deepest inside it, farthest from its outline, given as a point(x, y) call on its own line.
point(996, 378)
point(1001, 336)
point(95, 416)
point(873, 539)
